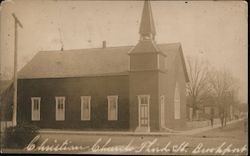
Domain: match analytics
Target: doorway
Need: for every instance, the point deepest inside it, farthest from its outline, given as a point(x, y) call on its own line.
point(143, 111)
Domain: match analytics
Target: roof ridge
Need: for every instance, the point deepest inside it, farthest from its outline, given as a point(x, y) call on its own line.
point(169, 43)
point(67, 50)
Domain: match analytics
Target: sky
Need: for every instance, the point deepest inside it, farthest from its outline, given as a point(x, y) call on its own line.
point(212, 30)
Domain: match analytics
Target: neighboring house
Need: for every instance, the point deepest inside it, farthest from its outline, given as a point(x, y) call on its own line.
point(201, 111)
point(135, 88)
point(6, 102)
point(210, 105)
point(207, 111)
point(204, 109)
point(242, 110)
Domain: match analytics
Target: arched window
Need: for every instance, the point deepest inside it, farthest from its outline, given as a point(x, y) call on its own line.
point(177, 103)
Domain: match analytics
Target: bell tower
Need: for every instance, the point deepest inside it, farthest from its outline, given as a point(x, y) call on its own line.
point(147, 27)
point(146, 55)
point(146, 64)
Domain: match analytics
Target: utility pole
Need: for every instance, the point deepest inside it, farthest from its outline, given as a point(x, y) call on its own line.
point(17, 23)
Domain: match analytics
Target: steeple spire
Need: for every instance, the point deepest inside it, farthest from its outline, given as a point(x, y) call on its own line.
point(147, 27)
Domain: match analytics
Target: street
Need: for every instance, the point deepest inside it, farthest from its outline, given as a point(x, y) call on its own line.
point(229, 140)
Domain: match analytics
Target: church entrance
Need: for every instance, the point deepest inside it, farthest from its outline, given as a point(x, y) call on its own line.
point(144, 115)
point(143, 112)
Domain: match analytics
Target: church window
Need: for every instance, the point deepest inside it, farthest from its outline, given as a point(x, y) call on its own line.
point(112, 107)
point(60, 108)
point(85, 107)
point(35, 108)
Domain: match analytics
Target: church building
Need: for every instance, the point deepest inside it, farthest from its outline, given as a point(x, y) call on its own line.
point(138, 88)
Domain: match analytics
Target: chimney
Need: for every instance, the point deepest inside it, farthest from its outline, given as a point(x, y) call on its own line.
point(103, 44)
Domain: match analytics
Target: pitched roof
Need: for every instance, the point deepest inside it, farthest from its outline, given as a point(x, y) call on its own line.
point(146, 46)
point(75, 63)
point(88, 62)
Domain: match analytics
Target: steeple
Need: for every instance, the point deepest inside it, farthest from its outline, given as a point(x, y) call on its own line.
point(147, 27)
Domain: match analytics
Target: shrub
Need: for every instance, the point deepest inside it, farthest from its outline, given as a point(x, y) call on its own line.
point(19, 136)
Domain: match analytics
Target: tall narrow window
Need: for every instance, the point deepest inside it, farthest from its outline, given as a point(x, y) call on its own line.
point(112, 107)
point(60, 108)
point(35, 108)
point(85, 107)
point(177, 105)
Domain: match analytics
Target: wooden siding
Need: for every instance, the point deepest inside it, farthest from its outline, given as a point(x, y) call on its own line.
point(144, 83)
point(175, 75)
point(73, 88)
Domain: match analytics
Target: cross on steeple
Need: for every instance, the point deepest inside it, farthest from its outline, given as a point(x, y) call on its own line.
point(147, 27)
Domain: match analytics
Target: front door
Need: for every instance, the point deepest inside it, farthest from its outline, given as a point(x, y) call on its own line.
point(144, 111)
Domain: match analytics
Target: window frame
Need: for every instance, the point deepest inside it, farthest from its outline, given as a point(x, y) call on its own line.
point(35, 117)
point(88, 98)
point(58, 117)
point(116, 103)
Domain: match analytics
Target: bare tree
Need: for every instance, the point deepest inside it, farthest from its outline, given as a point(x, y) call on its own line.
point(224, 89)
point(197, 89)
